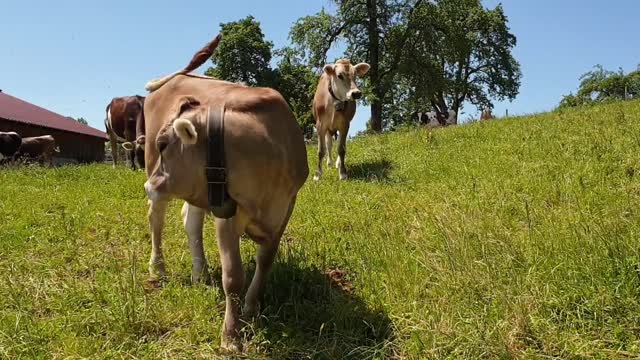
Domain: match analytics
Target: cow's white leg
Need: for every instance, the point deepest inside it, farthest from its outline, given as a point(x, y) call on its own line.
point(328, 139)
point(342, 151)
point(321, 152)
point(232, 282)
point(157, 212)
point(193, 220)
point(114, 149)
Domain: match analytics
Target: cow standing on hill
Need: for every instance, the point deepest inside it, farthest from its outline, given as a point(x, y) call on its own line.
point(39, 148)
point(9, 144)
point(125, 123)
point(334, 106)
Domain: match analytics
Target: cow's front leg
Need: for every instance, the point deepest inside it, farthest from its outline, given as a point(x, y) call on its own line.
point(157, 212)
point(328, 139)
point(193, 220)
point(321, 152)
point(342, 151)
point(232, 282)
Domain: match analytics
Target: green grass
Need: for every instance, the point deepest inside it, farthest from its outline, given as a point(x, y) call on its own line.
point(517, 238)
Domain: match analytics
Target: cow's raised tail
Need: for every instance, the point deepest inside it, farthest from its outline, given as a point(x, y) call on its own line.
point(198, 59)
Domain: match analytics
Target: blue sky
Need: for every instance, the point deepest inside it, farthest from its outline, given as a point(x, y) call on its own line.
point(72, 57)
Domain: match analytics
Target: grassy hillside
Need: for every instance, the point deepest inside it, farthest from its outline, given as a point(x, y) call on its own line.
point(506, 239)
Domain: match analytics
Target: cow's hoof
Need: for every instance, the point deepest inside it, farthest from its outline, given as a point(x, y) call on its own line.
point(231, 344)
point(343, 176)
point(157, 270)
point(316, 177)
point(250, 310)
point(201, 277)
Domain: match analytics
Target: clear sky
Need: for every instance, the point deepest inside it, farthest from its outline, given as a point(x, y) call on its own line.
point(72, 57)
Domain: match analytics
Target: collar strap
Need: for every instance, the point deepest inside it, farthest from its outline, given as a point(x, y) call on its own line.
point(333, 95)
point(339, 104)
point(220, 203)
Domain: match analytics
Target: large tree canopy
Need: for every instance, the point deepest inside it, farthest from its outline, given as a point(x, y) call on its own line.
point(423, 54)
point(464, 54)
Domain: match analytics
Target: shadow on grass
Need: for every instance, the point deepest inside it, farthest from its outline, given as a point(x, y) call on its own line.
point(377, 170)
point(310, 314)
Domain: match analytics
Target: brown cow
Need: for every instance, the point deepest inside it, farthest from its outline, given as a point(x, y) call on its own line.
point(125, 123)
point(9, 144)
point(40, 148)
point(266, 165)
point(334, 105)
point(486, 115)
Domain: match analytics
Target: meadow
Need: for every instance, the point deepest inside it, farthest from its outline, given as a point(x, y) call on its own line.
point(514, 238)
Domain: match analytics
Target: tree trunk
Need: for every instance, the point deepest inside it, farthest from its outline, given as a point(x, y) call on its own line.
point(374, 62)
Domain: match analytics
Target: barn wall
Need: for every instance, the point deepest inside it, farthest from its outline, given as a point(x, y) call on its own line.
point(80, 147)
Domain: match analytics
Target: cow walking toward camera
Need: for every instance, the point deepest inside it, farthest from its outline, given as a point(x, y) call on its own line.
point(232, 150)
point(125, 123)
point(334, 106)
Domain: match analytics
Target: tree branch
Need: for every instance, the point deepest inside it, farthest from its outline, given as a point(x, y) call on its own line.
point(405, 37)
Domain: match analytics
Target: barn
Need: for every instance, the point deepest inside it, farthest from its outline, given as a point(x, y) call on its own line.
point(78, 143)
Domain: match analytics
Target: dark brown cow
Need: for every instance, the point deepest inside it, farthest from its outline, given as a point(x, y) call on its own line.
point(40, 148)
point(9, 144)
point(125, 123)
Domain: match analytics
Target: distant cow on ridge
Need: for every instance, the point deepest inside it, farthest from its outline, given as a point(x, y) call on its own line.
point(125, 123)
point(334, 106)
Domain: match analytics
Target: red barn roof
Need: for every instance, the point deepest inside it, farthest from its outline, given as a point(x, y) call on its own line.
point(12, 108)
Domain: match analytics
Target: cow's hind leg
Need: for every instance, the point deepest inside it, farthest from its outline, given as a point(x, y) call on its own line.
point(157, 212)
point(321, 152)
point(193, 219)
point(232, 281)
point(264, 261)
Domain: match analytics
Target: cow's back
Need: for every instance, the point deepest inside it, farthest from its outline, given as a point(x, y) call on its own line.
point(261, 133)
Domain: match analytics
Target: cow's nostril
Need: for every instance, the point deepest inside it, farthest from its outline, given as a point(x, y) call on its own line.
point(356, 95)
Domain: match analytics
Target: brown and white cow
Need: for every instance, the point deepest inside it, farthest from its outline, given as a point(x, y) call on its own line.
point(40, 148)
point(125, 123)
point(9, 144)
point(486, 114)
point(334, 106)
point(266, 165)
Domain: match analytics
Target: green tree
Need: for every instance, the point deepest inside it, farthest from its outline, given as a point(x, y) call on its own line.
point(441, 53)
point(602, 85)
point(461, 52)
point(82, 120)
point(297, 83)
point(243, 55)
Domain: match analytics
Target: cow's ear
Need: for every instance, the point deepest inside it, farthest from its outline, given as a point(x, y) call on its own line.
point(362, 69)
point(185, 130)
point(329, 69)
point(184, 104)
point(127, 146)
